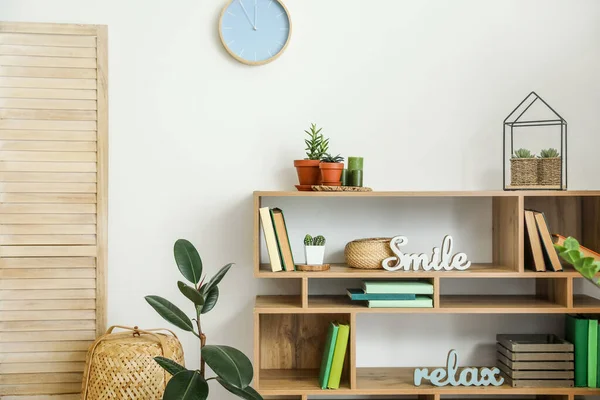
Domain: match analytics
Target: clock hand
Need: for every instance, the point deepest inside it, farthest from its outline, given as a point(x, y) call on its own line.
point(255, 13)
point(247, 16)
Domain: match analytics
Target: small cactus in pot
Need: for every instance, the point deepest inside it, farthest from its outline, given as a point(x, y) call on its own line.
point(314, 249)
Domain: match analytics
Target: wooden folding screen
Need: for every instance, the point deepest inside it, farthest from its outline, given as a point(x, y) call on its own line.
point(53, 205)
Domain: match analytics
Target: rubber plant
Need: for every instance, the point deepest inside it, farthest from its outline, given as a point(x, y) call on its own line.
point(588, 267)
point(232, 368)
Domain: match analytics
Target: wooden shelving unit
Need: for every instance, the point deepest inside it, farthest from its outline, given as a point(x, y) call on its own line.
point(289, 331)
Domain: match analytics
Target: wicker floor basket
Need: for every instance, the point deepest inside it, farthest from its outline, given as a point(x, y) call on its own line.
point(121, 366)
point(367, 253)
point(524, 171)
point(549, 171)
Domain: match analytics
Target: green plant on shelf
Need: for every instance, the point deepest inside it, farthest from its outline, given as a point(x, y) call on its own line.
point(316, 241)
point(328, 158)
point(523, 153)
point(588, 267)
point(549, 153)
point(232, 368)
point(316, 144)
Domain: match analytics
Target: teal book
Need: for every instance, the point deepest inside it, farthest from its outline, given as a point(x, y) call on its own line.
point(419, 302)
point(592, 352)
point(576, 332)
point(327, 359)
point(398, 287)
point(359, 294)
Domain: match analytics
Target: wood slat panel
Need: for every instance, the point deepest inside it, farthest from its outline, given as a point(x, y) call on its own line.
point(48, 219)
point(43, 357)
point(49, 262)
point(40, 177)
point(32, 347)
point(64, 156)
point(41, 368)
point(47, 336)
point(34, 389)
point(47, 294)
point(47, 251)
point(45, 72)
point(32, 284)
point(68, 62)
point(47, 83)
point(47, 325)
point(29, 145)
point(29, 39)
point(48, 104)
point(16, 240)
point(53, 115)
point(50, 273)
point(47, 315)
point(82, 136)
point(40, 208)
point(23, 166)
point(47, 51)
point(55, 31)
point(44, 230)
point(15, 379)
point(48, 125)
point(31, 305)
point(49, 93)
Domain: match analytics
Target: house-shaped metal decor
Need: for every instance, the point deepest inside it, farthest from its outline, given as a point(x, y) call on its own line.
point(535, 126)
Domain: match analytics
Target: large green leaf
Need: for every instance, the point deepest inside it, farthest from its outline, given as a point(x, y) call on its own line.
point(229, 364)
point(247, 393)
point(188, 260)
point(169, 365)
point(211, 300)
point(571, 256)
point(186, 385)
point(215, 280)
point(571, 243)
point(170, 312)
point(191, 293)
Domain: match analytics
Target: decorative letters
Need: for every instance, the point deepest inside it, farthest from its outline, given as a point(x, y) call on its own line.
point(467, 377)
point(440, 259)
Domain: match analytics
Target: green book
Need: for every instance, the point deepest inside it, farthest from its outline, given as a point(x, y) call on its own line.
point(359, 294)
point(398, 287)
point(327, 359)
point(339, 355)
point(598, 362)
point(419, 302)
point(592, 352)
point(576, 332)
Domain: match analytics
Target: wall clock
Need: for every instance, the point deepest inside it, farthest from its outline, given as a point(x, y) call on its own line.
point(255, 32)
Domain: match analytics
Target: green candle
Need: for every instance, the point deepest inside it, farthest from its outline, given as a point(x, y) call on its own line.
point(355, 163)
point(345, 177)
point(356, 178)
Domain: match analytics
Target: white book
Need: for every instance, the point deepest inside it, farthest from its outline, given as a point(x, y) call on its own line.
point(270, 239)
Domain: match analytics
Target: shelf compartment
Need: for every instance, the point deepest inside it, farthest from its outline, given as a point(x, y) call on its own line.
point(473, 193)
point(449, 304)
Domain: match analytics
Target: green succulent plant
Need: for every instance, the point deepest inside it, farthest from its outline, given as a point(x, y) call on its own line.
point(523, 153)
point(549, 153)
point(316, 144)
point(308, 240)
point(588, 267)
point(316, 241)
point(328, 158)
point(232, 368)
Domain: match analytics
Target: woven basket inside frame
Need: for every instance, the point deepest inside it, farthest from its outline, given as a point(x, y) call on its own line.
point(368, 253)
point(549, 171)
point(524, 172)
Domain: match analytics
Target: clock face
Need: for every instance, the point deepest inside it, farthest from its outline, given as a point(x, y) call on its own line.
point(255, 32)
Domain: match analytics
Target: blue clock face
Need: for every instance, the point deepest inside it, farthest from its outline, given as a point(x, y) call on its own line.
point(255, 31)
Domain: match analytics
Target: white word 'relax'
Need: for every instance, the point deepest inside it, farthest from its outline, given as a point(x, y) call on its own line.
point(441, 258)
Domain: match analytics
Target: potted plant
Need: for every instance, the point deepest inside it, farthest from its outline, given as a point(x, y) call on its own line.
point(331, 169)
point(232, 368)
point(316, 146)
point(314, 249)
point(523, 168)
point(587, 266)
point(549, 167)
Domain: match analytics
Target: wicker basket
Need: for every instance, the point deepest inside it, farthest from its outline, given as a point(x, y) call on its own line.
point(121, 365)
point(368, 253)
point(524, 172)
point(549, 171)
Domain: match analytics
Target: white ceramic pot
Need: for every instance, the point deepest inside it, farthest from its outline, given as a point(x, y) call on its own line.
point(314, 254)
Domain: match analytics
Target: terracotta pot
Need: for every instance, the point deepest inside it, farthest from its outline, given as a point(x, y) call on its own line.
point(331, 183)
point(308, 171)
point(331, 172)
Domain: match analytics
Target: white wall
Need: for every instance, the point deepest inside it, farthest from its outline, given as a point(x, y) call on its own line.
point(417, 87)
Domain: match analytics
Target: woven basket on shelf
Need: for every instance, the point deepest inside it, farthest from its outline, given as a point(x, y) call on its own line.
point(549, 171)
point(367, 253)
point(524, 171)
point(121, 365)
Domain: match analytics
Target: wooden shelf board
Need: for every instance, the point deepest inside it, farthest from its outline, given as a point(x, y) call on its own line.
point(483, 193)
point(537, 188)
point(449, 304)
point(387, 381)
point(475, 271)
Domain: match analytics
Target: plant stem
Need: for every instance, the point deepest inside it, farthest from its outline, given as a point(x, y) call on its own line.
point(202, 337)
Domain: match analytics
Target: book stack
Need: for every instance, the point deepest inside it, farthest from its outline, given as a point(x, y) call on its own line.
point(277, 240)
point(334, 355)
point(394, 294)
point(582, 331)
point(535, 360)
point(540, 254)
